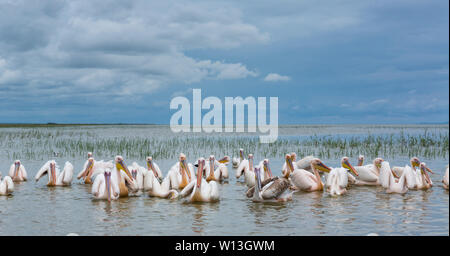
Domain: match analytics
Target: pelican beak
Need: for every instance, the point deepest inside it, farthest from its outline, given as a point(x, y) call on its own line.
point(52, 170)
point(122, 166)
point(199, 172)
point(322, 167)
point(16, 170)
point(395, 174)
point(241, 154)
point(150, 167)
point(346, 164)
point(267, 169)
point(289, 163)
point(250, 165)
point(360, 161)
point(258, 177)
point(424, 170)
point(108, 185)
point(224, 160)
point(88, 169)
point(184, 167)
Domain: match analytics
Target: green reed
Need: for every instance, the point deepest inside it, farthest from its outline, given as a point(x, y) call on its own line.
point(40, 143)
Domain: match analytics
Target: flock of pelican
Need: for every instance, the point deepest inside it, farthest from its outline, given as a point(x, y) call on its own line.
point(199, 182)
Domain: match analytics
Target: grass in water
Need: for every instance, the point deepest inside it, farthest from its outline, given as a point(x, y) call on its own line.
point(40, 143)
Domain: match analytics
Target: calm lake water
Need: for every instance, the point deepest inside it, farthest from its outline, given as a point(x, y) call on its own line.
point(35, 209)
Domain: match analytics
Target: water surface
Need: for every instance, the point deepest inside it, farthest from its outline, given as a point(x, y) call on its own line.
point(35, 209)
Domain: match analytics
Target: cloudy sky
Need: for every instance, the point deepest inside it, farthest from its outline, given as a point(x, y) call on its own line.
point(336, 61)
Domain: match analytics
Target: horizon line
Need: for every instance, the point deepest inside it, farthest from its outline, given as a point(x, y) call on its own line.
point(54, 123)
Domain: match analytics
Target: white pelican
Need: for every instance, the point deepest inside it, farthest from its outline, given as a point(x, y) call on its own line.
point(106, 186)
point(181, 173)
point(423, 179)
point(237, 161)
point(417, 179)
point(277, 190)
point(369, 174)
point(200, 190)
point(138, 173)
point(360, 160)
point(264, 164)
point(17, 172)
point(415, 162)
point(243, 166)
point(126, 182)
point(91, 168)
point(247, 168)
point(55, 177)
point(152, 166)
point(6, 185)
point(338, 178)
point(306, 181)
point(156, 188)
point(304, 163)
point(389, 182)
point(218, 174)
point(445, 179)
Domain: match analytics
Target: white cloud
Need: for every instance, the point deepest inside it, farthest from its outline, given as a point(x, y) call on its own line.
point(274, 77)
point(117, 48)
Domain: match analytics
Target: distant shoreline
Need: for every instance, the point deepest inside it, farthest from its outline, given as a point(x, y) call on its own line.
point(13, 125)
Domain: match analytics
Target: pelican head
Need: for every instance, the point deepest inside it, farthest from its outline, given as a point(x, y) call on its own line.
point(250, 161)
point(415, 162)
point(293, 156)
point(267, 167)
point(120, 165)
point(241, 154)
point(201, 164)
point(346, 164)
point(377, 162)
point(16, 168)
point(317, 164)
point(360, 160)
point(89, 155)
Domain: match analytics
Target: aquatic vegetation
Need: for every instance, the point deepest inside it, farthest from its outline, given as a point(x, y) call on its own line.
point(39, 143)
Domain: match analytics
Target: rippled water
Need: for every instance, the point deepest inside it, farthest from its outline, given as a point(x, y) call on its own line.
point(35, 209)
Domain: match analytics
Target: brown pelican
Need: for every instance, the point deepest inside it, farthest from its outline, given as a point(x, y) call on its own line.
point(277, 190)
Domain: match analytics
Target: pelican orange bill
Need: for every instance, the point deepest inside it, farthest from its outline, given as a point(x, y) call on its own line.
point(321, 166)
point(346, 164)
point(151, 167)
point(199, 172)
point(124, 167)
